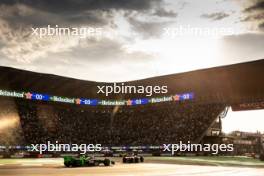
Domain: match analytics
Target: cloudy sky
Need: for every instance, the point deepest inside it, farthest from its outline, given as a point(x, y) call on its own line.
point(134, 43)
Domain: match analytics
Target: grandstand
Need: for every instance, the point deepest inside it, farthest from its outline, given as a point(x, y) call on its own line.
point(152, 124)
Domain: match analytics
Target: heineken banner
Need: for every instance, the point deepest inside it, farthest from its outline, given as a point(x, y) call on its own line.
point(95, 102)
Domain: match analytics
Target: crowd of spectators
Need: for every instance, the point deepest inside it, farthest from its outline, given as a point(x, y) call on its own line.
point(158, 124)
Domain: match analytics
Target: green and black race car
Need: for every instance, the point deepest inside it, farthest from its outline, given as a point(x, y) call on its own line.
point(84, 161)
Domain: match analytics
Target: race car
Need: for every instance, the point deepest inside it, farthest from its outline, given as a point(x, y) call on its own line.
point(132, 158)
point(83, 161)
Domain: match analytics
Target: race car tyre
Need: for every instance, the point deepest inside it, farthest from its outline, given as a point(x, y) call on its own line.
point(67, 165)
point(261, 157)
point(136, 160)
point(107, 162)
point(141, 159)
point(124, 160)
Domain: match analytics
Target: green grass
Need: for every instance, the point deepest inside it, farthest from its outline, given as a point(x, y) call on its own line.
point(31, 160)
point(8, 161)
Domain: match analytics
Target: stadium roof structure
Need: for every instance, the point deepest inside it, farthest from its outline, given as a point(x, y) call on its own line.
point(232, 84)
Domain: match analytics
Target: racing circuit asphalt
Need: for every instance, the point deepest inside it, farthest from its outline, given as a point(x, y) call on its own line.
point(142, 169)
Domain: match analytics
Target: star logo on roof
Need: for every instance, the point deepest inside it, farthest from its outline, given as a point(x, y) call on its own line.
point(78, 101)
point(129, 102)
point(176, 97)
point(28, 95)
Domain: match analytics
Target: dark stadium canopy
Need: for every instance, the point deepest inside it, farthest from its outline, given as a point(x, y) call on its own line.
point(233, 84)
